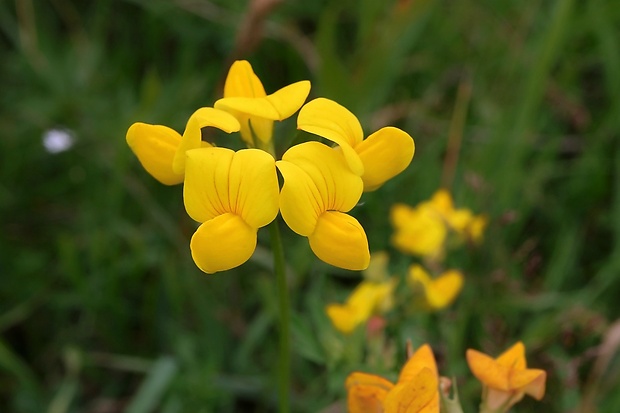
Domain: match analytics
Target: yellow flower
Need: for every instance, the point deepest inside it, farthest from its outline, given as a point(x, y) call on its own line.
point(379, 157)
point(232, 194)
point(418, 231)
point(506, 379)
point(318, 192)
point(416, 391)
point(440, 292)
point(462, 221)
point(423, 230)
point(246, 99)
point(367, 299)
point(161, 150)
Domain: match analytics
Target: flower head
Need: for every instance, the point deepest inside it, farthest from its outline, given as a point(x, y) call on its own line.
point(367, 299)
point(416, 391)
point(378, 158)
point(246, 99)
point(318, 192)
point(439, 292)
point(232, 194)
point(161, 150)
point(506, 379)
point(423, 230)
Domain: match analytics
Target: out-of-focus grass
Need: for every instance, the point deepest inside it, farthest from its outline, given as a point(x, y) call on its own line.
point(101, 307)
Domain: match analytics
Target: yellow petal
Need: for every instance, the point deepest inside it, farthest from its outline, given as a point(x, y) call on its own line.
point(334, 122)
point(192, 137)
point(366, 392)
point(488, 371)
point(242, 81)
point(443, 290)
point(339, 240)
point(222, 243)
point(344, 318)
point(531, 379)
point(155, 146)
point(419, 395)
point(300, 200)
point(316, 180)
point(219, 180)
point(514, 357)
point(536, 388)
point(442, 202)
point(279, 105)
point(206, 187)
point(385, 154)
point(253, 187)
point(423, 358)
point(418, 231)
point(371, 297)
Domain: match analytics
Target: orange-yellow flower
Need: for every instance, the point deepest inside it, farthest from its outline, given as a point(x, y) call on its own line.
point(506, 379)
point(381, 156)
point(416, 391)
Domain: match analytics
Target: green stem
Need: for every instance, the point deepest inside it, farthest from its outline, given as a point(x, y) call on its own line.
point(284, 367)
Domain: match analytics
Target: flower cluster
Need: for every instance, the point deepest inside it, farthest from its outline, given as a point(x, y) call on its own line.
point(233, 194)
point(425, 229)
point(419, 389)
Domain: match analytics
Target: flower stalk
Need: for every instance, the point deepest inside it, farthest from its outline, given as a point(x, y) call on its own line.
point(284, 365)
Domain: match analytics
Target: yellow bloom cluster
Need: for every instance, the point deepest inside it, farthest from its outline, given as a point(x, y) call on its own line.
point(233, 194)
point(424, 230)
point(375, 295)
point(505, 381)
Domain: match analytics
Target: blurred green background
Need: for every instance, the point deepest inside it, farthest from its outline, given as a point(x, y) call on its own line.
point(101, 307)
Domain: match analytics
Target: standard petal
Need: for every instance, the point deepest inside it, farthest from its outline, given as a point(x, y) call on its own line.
point(242, 81)
point(419, 395)
point(336, 123)
point(421, 359)
point(253, 187)
point(222, 243)
point(206, 188)
point(343, 317)
point(340, 240)
point(366, 392)
point(385, 154)
point(487, 370)
point(192, 137)
point(277, 106)
point(514, 357)
point(155, 146)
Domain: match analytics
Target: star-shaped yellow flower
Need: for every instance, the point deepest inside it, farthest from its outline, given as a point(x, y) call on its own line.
point(231, 194)
point(246, 99)
point(318, 192)
point(161, 150)
point(416, 391)
point(506, 379)
point(379, 157)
